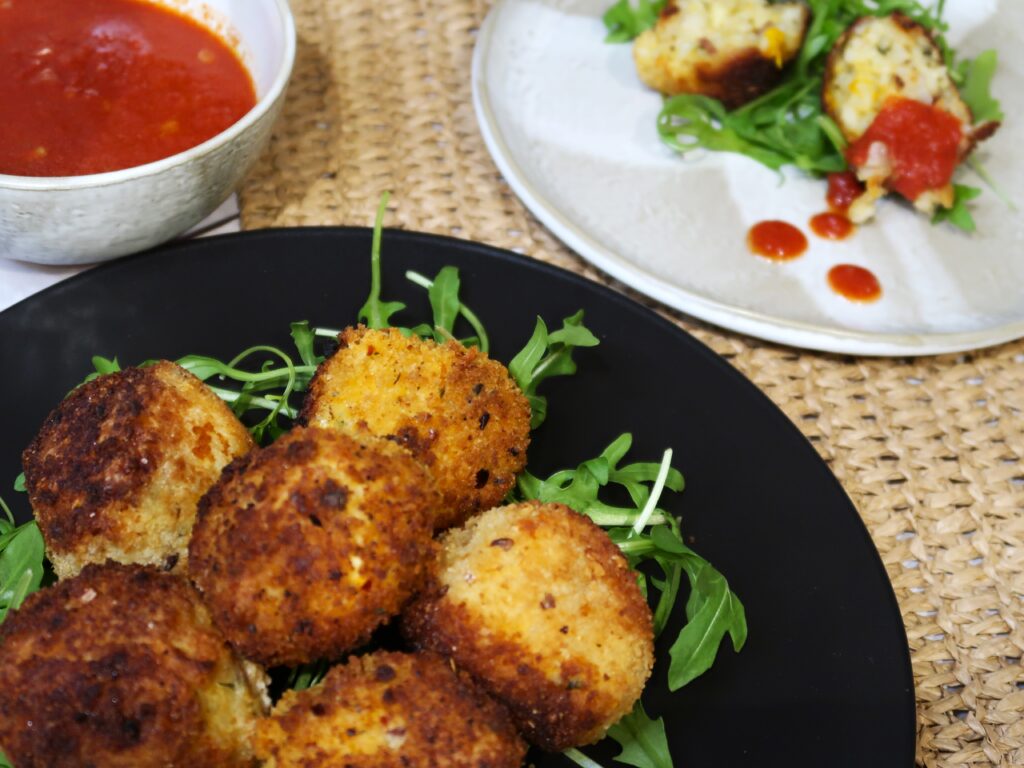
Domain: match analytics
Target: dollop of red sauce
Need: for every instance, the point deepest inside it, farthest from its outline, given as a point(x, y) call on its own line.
point(854, 283)
point(843, 189)
point(776, 240)
point(923, 142)
point(97, 85)
point(832, 226)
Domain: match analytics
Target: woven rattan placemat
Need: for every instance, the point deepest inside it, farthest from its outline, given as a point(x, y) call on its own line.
point(930, 450)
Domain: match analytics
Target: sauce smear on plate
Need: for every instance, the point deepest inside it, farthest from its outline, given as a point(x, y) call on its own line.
point(776, 240)
point(91, 86)
point(854, 283)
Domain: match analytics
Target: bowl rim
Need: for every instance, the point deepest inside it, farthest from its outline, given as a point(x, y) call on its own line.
point(107, 178)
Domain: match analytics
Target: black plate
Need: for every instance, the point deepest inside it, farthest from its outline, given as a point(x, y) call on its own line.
point(825, 678)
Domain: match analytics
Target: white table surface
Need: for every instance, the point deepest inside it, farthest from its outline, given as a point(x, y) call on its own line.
point(20, 279)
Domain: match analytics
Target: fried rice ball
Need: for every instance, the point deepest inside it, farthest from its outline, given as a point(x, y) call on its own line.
point(121, 667)
point(730, 50)
point(304, 547)
point(118, 467)
point(453, 408)
point(540, 606)
point(390, 709)
point(876, 64)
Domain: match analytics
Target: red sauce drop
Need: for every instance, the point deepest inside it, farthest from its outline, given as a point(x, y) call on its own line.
point(923, 142)
point(854, 283)
point(97, 85)
point(776, 240)
point(843, 189)
point(832, 226)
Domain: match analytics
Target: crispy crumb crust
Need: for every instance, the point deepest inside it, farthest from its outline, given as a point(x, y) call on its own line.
point(541, 607)
point(733, 74)
point(121, 666)
point(452, 407)
point(388, 709)
point(303, 548)
point(118, 467)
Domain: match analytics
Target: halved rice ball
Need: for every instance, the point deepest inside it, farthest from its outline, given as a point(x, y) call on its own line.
point(730, 50)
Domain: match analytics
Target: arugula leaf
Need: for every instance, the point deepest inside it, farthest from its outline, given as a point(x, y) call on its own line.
point(104, 366)
point(712, 610)
point(642, 739)
point(572, 753)
point(19, 483)
point(376, 313)
point(546, 355)
point(982, 172)
point(267, 389)
point(442, 301)
point(775, 130)
point(643, 742)
point(4, 762)
point(21, 561)
point(976, 89)
point(304, 337)
point(101, 367)
point(21, 565)
point(306, 675)
point(579, 489)
point(959, 215)
point(625, 21)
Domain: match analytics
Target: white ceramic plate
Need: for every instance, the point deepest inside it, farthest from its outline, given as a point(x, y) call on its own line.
point(572, 129)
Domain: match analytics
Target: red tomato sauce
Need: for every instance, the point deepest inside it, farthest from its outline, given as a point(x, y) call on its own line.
point(776, 240)
point(923, 143)
point(832, 226)
point(843, 189)
point(97, 85)
point(854, 283)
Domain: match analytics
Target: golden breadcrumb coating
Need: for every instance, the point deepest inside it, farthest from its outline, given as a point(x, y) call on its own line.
point(304, 547)
point(878, 59)
point(390, 709)
point(540, 606)
point(118, 467)
point(122, 667)
point(730, 50)
point(455, 409)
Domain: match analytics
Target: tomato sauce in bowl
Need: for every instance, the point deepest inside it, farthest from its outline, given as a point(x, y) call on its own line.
point(91, 86)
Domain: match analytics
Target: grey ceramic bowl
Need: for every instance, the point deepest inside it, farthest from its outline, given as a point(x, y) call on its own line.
point(83, 219)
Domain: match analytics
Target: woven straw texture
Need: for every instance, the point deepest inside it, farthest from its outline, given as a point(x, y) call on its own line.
point(930, 450)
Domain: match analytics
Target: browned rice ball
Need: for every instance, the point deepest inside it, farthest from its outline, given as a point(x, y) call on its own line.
point(730, 50)
point(455, 409)
point(121, 666)
point(390, 709)
point(118, 467)
point(303, 548)
point(540, 606)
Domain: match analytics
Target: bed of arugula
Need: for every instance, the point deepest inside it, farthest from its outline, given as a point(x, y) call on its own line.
point(787, 125)
point(262, 383)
